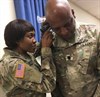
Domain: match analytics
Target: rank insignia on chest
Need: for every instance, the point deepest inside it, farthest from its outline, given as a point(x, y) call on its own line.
point(20, 71)
point(69, 57)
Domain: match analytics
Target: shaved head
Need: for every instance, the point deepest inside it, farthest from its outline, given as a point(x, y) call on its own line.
point(55, 8)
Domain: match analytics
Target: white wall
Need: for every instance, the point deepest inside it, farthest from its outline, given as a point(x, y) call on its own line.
point(7, 13)
point(84, 17)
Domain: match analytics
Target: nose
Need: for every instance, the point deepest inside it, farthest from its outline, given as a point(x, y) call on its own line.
point(63, 29)
point(33, 40)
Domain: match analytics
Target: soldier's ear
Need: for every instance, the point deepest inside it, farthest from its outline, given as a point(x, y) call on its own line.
point(73, 13)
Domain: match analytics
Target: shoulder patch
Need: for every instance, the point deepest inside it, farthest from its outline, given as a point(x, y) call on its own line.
point(19, 73)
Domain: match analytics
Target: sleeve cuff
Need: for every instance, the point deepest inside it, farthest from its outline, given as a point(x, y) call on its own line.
point(46, 51)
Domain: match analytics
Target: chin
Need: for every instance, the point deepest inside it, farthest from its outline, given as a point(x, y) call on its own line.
point(31, 51)
point(66, 38)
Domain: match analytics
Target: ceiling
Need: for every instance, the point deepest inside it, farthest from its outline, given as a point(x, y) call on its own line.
point(91, 6)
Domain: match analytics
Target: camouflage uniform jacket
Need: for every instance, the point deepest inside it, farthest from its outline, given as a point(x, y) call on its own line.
point(36, 81)
point(78, 68)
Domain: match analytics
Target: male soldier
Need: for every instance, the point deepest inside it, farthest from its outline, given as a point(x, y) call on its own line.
point(77, 64)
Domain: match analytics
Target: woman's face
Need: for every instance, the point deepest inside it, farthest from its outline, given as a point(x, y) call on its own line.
point(28, 43)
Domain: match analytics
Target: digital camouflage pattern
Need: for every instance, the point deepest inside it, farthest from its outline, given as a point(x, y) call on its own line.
point(78, 64)
point(37, 79)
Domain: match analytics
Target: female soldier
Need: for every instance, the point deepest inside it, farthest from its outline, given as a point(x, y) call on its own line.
point(20, 73)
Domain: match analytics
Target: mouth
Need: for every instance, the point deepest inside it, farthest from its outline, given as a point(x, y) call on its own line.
point(34, 46)
point(68, 36)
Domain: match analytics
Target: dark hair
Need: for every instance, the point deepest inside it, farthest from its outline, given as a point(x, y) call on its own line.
point(15, 31)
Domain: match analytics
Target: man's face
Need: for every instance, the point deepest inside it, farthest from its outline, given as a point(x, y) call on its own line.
point(62, 24)
point(66, 30)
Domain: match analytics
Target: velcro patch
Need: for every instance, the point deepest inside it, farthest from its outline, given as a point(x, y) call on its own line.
point(20, 71)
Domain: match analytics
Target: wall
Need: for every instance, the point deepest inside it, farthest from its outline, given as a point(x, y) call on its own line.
point(7, 14)
point(84, 17)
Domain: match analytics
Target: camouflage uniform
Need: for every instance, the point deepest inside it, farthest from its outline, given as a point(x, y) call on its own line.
point(37, 79)
point(78, 68)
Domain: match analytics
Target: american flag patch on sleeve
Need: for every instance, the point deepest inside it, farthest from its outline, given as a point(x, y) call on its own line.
point(20, 71)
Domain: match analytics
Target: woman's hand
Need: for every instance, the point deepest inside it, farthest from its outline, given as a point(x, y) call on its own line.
point(47, 39)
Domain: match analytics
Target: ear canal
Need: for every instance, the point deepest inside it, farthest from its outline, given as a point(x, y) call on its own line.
point(73, 13)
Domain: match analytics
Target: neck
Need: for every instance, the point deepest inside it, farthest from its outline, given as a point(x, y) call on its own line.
point(20, 51)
